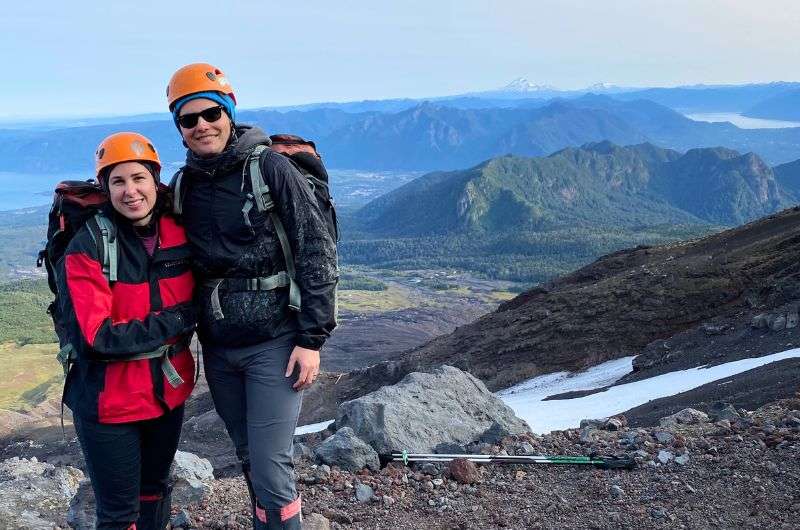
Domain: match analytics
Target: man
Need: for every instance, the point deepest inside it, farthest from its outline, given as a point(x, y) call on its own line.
point(268, 276)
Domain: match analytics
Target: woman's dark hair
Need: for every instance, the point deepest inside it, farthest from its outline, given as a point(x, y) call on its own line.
point(106, 172)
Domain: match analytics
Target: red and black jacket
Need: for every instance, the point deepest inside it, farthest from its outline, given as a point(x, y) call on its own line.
point(147, 307)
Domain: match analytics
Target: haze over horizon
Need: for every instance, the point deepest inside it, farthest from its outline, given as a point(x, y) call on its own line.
point(85, 59)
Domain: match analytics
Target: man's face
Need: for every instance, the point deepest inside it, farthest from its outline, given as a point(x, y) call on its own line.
point(206, 138)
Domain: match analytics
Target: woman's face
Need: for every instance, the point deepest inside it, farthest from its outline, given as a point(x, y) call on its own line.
point(132, 190)
point(206, 138)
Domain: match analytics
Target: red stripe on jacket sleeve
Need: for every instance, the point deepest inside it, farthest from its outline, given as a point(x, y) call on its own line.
point(89, 292)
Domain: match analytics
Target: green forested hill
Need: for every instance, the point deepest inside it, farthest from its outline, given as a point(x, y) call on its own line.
point(529, 219)
point(23, 312)
point(597, 185)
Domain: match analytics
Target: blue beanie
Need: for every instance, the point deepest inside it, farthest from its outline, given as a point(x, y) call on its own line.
point(223, 99)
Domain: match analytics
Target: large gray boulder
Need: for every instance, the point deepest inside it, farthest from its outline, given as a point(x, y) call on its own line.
point(425, 410)
point(192, 477)
point(82, 514)
point(347, 451)
point(35, 494)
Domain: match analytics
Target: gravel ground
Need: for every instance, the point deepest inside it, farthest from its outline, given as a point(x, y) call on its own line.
point(739, 474)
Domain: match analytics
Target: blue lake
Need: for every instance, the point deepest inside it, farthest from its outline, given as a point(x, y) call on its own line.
point(743, 122)
point(23, 190)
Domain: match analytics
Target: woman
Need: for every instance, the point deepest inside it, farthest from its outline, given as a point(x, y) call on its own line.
point(133, 369)
point(260, 340)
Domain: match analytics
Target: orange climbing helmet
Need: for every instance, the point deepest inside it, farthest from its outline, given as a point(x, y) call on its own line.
point(125, 147)
point(197, 77)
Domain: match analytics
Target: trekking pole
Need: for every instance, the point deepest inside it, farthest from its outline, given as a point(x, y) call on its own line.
point(599, 461)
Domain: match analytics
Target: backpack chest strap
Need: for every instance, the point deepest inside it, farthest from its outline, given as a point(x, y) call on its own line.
point(262, 283)
point(104, 235)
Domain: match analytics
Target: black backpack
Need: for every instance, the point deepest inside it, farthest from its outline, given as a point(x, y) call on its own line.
point(76, 203)
point(306, 158)
point(303, 154)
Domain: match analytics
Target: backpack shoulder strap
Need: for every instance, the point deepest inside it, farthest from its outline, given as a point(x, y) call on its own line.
point(104, 234)
point(261, 197)
point(177, 193)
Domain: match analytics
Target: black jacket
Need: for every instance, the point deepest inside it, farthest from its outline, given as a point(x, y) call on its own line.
point(225, 247)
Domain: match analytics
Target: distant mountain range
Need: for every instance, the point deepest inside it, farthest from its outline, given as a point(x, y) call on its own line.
point(598, 184)
point(783, 106)
point(428, 136)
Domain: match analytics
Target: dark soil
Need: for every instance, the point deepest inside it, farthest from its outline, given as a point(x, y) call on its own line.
point(745, 476)
point(620, 305)
point(361, 340)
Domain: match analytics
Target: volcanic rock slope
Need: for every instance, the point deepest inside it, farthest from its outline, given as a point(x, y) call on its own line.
point(611, 308)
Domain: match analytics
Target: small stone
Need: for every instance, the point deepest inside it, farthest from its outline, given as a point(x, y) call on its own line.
point(182, 519)
point(682, 460)
point(437, 482)
point(658, 513)
point(464, 471)
point(526, 448)
point(364, 493)
point(616, 491)
point(429, 468)
point(387, 501)
point(592, 424)
point(337, 516)
point(779, 323)
point(791, 421)
point(586, 435)
point(614, 424)
point(713, 329)
point(316, 521)
point(689, 488)
point(520, 475)
point(428, 485)
point(759, 321)
point(301, 451)
point(792, 318)
point(687, 416)
point(664, 456)
point(724, 411)
point(664, 437)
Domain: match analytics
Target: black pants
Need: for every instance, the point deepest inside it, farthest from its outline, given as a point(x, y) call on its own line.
point(128, 461)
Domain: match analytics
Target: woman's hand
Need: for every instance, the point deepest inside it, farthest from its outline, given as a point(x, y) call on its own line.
point(308, 362)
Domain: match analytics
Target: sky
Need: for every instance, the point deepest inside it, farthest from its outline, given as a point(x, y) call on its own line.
point(85, 58)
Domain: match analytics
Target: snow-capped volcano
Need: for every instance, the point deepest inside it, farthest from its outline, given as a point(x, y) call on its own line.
point(601, 87)
point(521, 84)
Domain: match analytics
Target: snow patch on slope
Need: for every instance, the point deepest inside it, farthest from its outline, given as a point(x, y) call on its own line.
point(545, 416)
point(559, 382)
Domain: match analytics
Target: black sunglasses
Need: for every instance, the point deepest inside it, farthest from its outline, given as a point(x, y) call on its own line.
point(211, 114)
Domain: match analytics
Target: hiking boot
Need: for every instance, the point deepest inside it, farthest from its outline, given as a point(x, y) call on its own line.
point(154, 511)
point(287, 518)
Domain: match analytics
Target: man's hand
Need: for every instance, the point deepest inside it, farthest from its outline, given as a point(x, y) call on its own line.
point(308, 362)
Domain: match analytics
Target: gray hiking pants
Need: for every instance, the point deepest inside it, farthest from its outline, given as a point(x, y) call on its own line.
point(260, 410)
